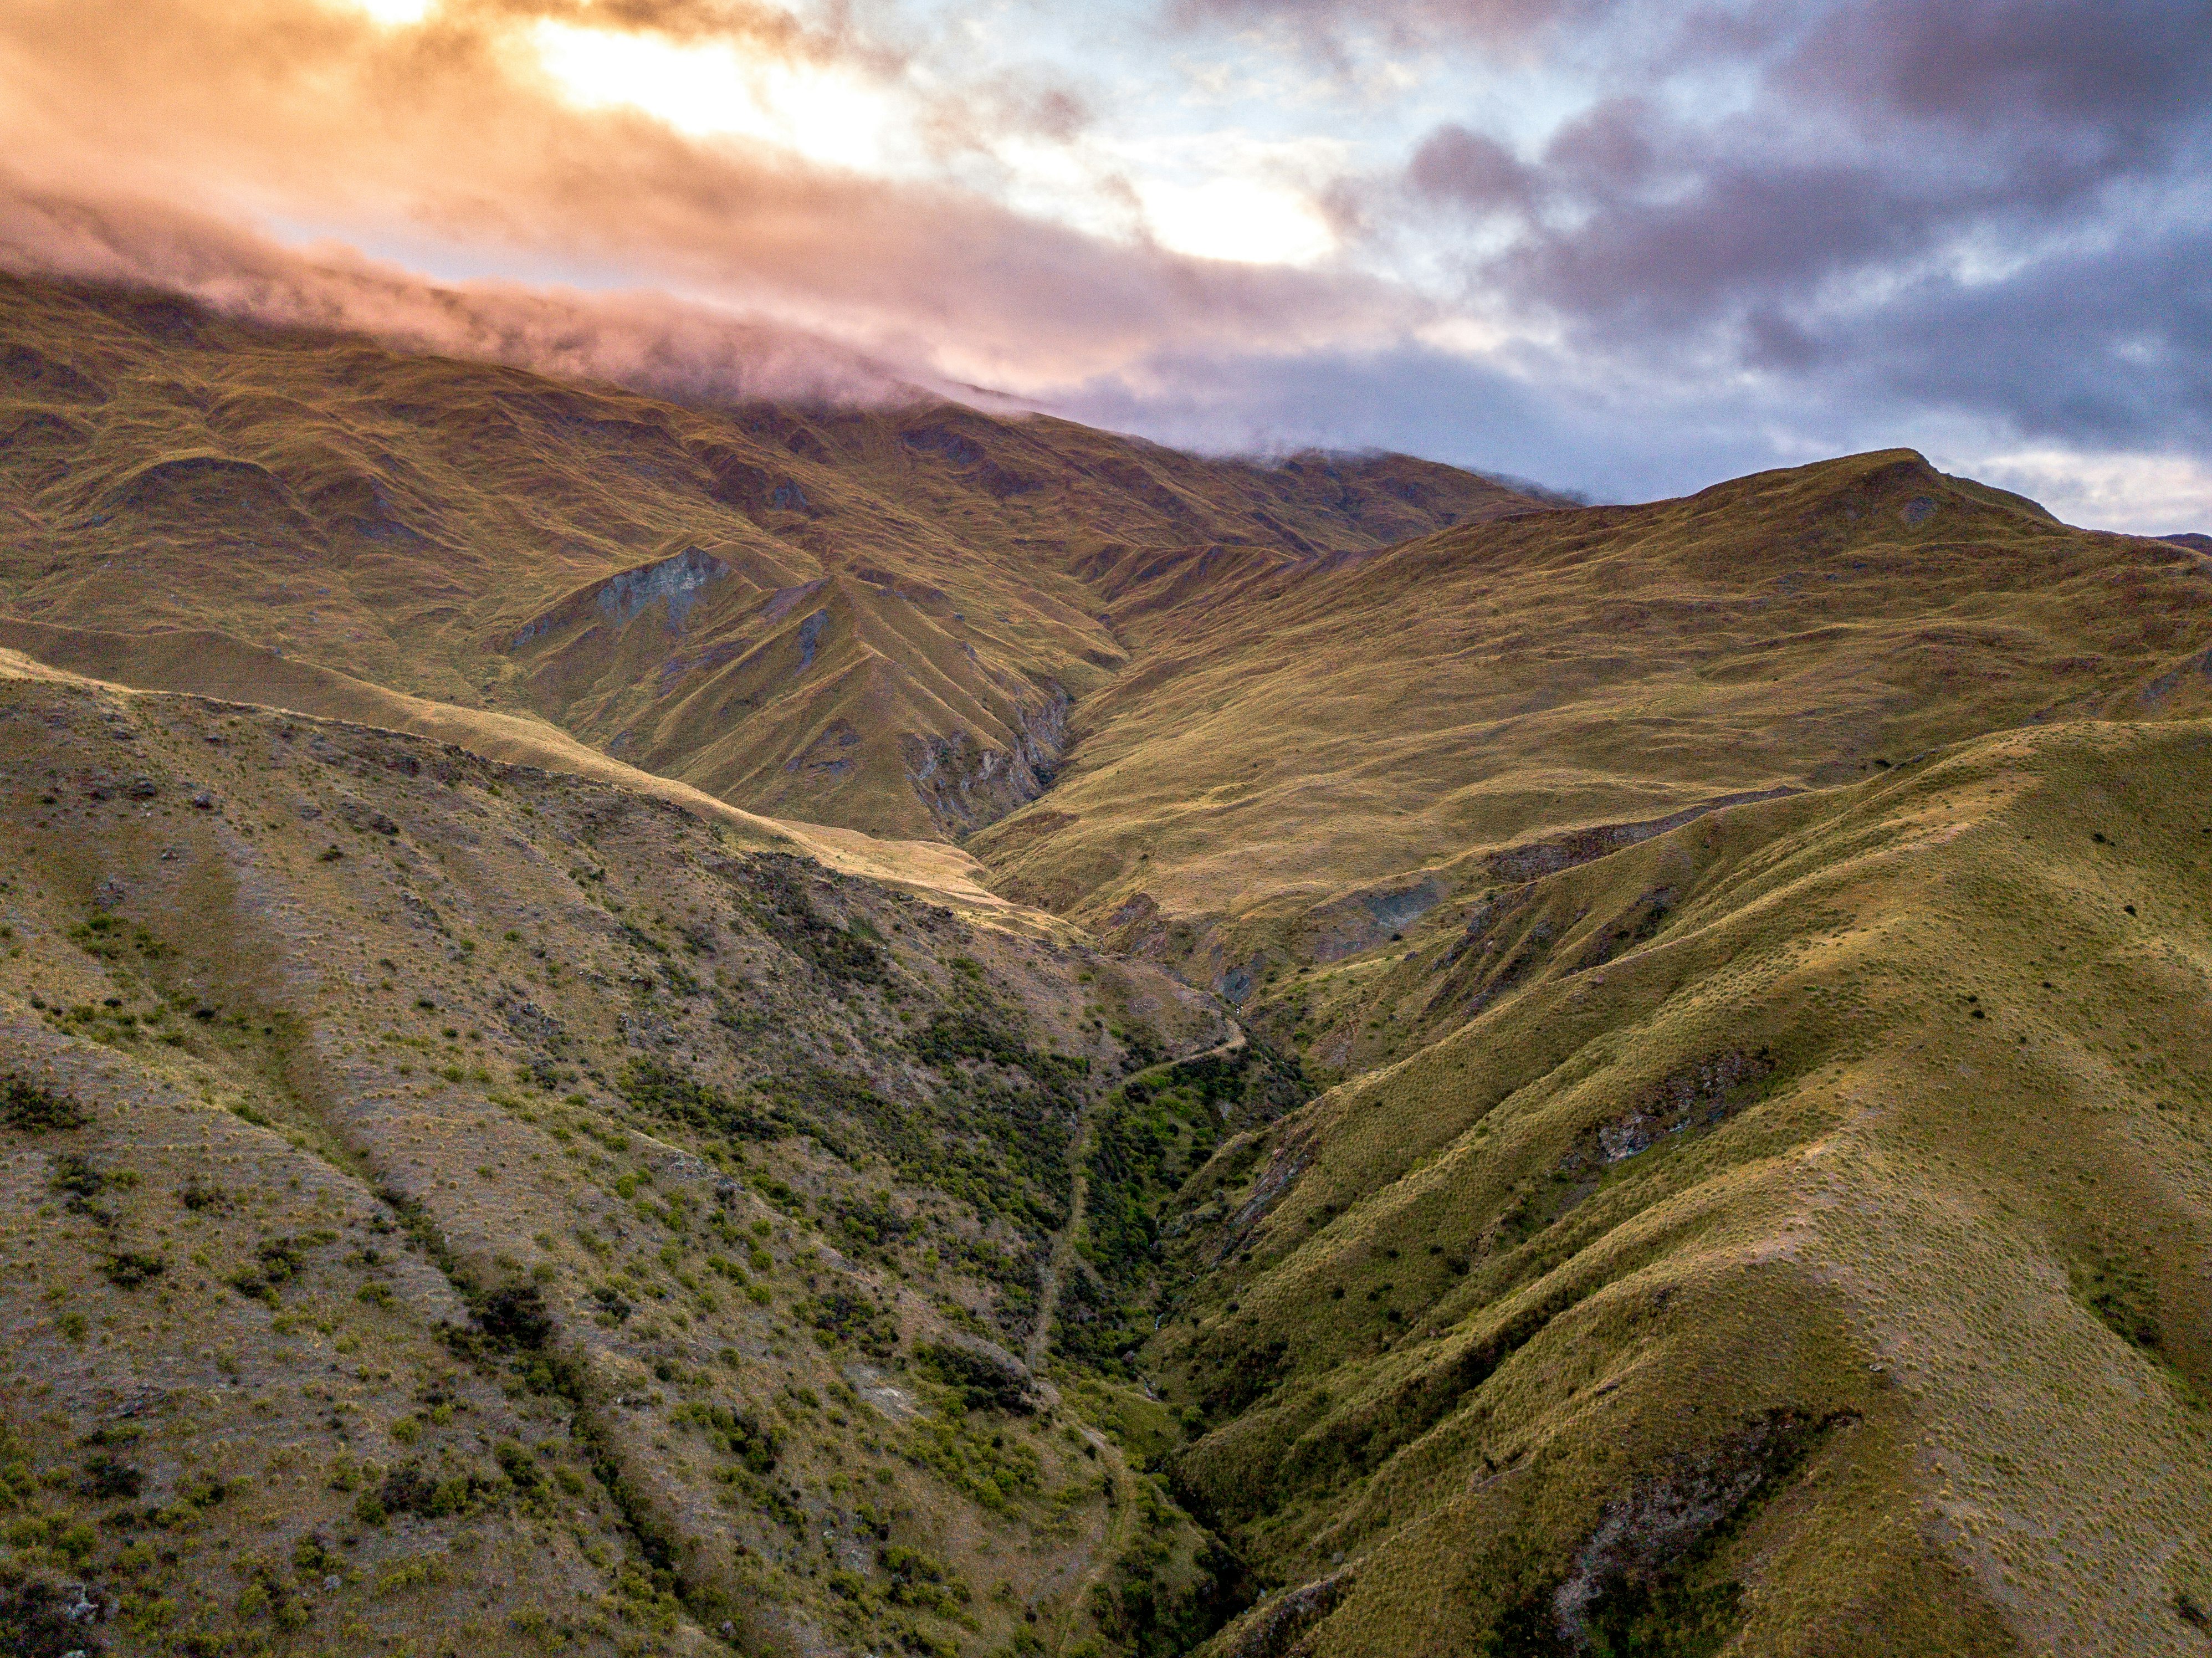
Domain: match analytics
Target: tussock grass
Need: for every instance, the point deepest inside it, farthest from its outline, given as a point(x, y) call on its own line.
point(1565, 1255)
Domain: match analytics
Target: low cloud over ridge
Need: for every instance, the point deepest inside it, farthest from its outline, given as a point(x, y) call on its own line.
point(1705, 241)
point(645, 341)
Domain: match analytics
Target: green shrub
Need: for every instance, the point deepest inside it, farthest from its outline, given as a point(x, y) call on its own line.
point(984, 1382)
point(127, 1269)
point(29, 1108)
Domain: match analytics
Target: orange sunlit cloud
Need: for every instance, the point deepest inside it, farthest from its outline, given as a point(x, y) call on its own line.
point(1530, 234)
point(676, 163)
point(823, 114)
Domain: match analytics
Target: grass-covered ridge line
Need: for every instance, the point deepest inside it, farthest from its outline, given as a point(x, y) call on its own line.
point(849, 618)
point(1893, 1133)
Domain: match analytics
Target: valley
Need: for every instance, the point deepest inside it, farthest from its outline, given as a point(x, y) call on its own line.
point(635, 1028)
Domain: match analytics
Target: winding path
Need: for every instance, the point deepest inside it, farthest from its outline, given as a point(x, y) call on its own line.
point(1078, 1191)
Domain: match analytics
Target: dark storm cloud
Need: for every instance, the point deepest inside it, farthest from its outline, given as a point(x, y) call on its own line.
point(1932, 194)
point(2125, 70)
point(2107, 347)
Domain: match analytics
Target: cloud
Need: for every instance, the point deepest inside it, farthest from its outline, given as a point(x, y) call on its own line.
point(645, 341)
point(2142, 494)
point(1625, 249)
point(2127, 71)
point(1497, 23)
point(2031, 348)
point(290, 109)
point(1906, 202)
point(1474, 170)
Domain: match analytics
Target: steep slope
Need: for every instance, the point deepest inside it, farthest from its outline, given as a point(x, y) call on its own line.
point(215, 665)
point(864, 618)
point(1305, 755)
point(452, 1203)
point(465, 1190)
point(1784, 1236)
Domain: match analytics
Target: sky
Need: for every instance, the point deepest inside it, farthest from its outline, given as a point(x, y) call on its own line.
point(1622, 250)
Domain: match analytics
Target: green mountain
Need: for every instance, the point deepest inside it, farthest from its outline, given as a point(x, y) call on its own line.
point(454, 1201)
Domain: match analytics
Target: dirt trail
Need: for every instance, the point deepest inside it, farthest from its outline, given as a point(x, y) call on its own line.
point(1122, 1502)
point(1112, 1537)
point(1063, 1246)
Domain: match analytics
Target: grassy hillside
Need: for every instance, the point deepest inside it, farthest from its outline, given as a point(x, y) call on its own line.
point(209, 664)
point(445, 1203)
point(1306, 756)
point(866, 619)
point(1279, 712)
point(1784, 1235)
point(478, 1171)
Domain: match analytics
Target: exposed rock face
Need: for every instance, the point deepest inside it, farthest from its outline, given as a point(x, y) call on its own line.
point(1530, 860)
point(967, 784)
point(809, 637)
point(1360, 920)
point(677, 580)
point(1643, 1535)
point(621, 598)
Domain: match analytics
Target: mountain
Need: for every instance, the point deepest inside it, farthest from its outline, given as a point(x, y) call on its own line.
point(860, 618)
point(1305, 756)
point(446, 1196)
point(645, 1030)
point(1784, 1236)
point(1278, 709)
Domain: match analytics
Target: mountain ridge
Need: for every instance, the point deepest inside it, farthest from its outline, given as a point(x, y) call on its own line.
point(1576, 1079)
point(1404, 721)
point(405, 519)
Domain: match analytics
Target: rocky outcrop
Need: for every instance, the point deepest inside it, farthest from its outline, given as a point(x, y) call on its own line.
point(1533, 859)
point(1360, 920)
point(623, 596)
point(967, 783)
point(677, 580)
point(1271, 1628)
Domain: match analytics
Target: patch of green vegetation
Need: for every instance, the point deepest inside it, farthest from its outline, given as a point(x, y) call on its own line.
point(980, 1381)
point(847, 1316)
point(735, 1433)
point(111, 938)
point(127, 1269)
point(1149, 1137)
point(990, 1465)
point(779, 906)
point(919, 1582)
point(870, 1228)
point(2122, 1295)
point(1162, 1596)
point(29, 1107)
point(414, 1490)
point(673, 1094)
point(277, 1262)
